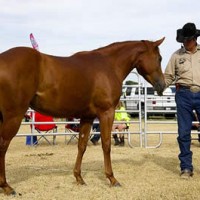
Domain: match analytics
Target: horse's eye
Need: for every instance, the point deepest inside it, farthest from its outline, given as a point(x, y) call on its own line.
point(160, 58)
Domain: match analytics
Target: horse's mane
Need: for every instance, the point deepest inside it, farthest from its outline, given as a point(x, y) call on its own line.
point(118, 45)
point(121, 44)
point(146, 42)
point(109, 47)
point(114, 45)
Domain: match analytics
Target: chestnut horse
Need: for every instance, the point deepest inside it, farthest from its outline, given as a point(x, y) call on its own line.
point(85, 85)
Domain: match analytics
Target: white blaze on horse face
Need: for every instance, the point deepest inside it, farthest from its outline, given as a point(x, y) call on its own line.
point(82, 135)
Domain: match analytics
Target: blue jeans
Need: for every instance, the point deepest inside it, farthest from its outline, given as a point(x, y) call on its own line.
point(186, 102)
point(96, 137)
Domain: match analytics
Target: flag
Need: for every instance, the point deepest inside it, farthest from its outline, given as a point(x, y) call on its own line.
point(33, 42)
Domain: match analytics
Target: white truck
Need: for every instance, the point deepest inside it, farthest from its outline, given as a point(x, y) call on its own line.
point(154, 104)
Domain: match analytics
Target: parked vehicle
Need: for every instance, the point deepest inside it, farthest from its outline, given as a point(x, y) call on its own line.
point(164, 105)
point(155, 105)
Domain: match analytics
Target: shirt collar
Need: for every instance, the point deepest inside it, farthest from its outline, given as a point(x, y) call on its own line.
point(185, 51)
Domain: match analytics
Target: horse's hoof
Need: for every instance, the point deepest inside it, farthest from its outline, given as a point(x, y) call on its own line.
point(117, 184)
point(10, 193)
point(81, 182)
point(84, 184)
point(13, 193)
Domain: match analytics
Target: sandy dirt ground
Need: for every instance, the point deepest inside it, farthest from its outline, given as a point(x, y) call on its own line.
point(45, 172)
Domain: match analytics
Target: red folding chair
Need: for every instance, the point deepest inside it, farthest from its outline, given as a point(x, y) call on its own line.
point(44, 128)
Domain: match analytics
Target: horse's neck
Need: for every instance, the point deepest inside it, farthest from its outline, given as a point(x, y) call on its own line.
point(123, 56)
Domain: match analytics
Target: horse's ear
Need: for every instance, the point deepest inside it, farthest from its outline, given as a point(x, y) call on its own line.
point(158, 42)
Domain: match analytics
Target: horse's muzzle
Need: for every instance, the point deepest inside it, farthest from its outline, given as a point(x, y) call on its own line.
point(159, 87)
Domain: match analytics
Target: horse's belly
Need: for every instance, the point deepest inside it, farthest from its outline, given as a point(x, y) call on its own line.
point(60, 105)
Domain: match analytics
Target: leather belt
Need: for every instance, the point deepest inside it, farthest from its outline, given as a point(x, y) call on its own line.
point(193, 89)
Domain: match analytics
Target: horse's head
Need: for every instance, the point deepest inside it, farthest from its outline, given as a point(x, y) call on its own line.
point(149, 65)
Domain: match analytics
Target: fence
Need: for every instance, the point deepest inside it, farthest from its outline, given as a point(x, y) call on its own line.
point(159, 132)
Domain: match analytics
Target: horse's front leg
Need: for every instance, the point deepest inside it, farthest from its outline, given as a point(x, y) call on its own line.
point(106, 122)
point(85, 128)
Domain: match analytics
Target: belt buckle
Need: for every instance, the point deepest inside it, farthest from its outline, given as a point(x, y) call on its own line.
point(195, 89)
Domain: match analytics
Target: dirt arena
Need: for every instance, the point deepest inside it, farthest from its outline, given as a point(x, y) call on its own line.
point(46, 172)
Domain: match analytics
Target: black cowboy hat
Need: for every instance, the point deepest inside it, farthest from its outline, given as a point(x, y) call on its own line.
point(188, 32)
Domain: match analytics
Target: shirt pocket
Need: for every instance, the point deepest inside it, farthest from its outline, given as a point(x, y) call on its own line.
point(183, 65)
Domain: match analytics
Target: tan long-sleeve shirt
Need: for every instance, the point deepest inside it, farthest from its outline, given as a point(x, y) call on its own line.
point(184, 68)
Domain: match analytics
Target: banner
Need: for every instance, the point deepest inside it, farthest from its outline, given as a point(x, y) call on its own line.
point(33, 42)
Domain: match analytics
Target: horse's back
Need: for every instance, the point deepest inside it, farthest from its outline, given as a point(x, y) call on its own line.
point(72, 85)
point(58, 86)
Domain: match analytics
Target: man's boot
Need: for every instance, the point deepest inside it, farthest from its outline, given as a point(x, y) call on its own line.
point(121, 141)
point(116, 140)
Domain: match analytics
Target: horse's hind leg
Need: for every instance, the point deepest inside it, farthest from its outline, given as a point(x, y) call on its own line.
point(8, 129)
point(85, 127)
point(3, 184)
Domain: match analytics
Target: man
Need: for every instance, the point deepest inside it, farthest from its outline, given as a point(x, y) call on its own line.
point(184, 69)
point(96, 128)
